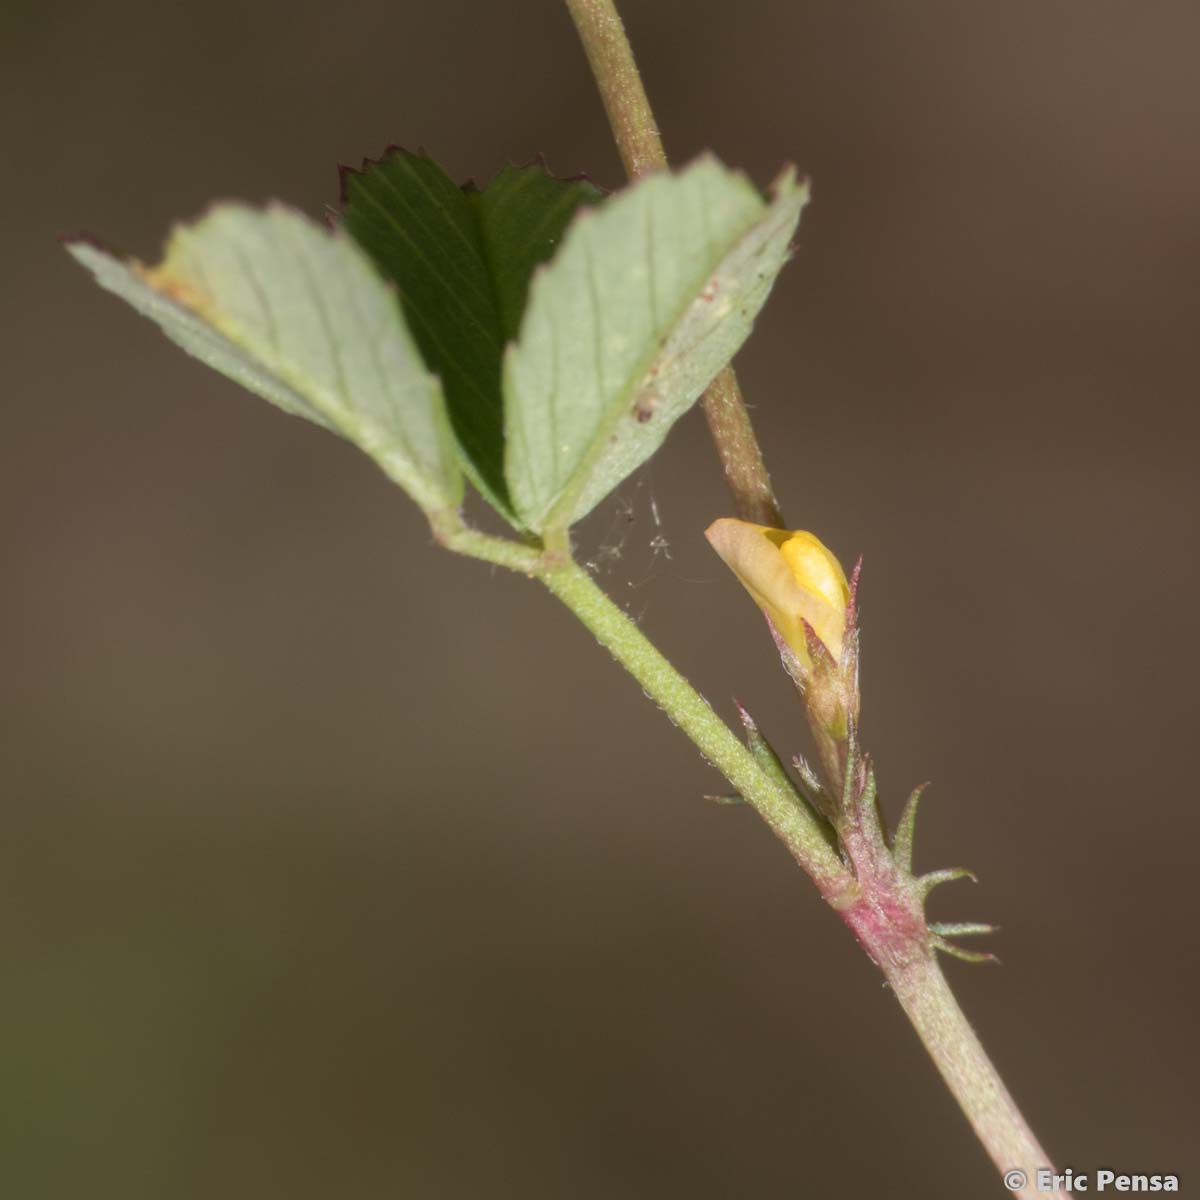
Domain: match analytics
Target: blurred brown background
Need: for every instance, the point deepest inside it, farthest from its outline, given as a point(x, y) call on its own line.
point(333, 866)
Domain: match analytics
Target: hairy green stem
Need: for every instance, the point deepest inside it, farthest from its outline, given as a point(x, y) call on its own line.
point(908, 963)
point(620, 84)
point(629, 114)
point(687, 709)
point(869, 906)
point(449, 530)
point(741, 457)
point(967, 1071)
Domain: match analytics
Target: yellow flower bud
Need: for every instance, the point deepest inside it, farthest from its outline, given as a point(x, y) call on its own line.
point(792, 577)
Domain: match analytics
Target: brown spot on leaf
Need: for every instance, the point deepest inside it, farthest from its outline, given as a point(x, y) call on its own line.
point(643, 410)
point(182, 291)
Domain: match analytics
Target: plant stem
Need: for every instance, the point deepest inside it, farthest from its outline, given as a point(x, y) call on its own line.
point(911, 970)
point(448, 528)
point(970, 1075)
point(915, 978)
point(741, 457)
point(687, 709)
point(611, 58)
point(867, 903)
point(629, 114)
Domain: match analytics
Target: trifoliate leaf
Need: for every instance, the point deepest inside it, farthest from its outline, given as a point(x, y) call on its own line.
point(648, 298)
point(298, 315)
point(461, 260)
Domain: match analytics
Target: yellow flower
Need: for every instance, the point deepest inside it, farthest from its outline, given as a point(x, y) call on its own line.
point(792, 577)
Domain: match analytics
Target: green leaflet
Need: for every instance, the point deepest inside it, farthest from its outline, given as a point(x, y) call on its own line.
point(649, 297)
point(461, 260)
point(298, 315)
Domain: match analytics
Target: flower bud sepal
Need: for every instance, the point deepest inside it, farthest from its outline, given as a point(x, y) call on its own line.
point(829, 690)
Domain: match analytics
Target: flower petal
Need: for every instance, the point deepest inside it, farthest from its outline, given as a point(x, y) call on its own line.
point(791, 576)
